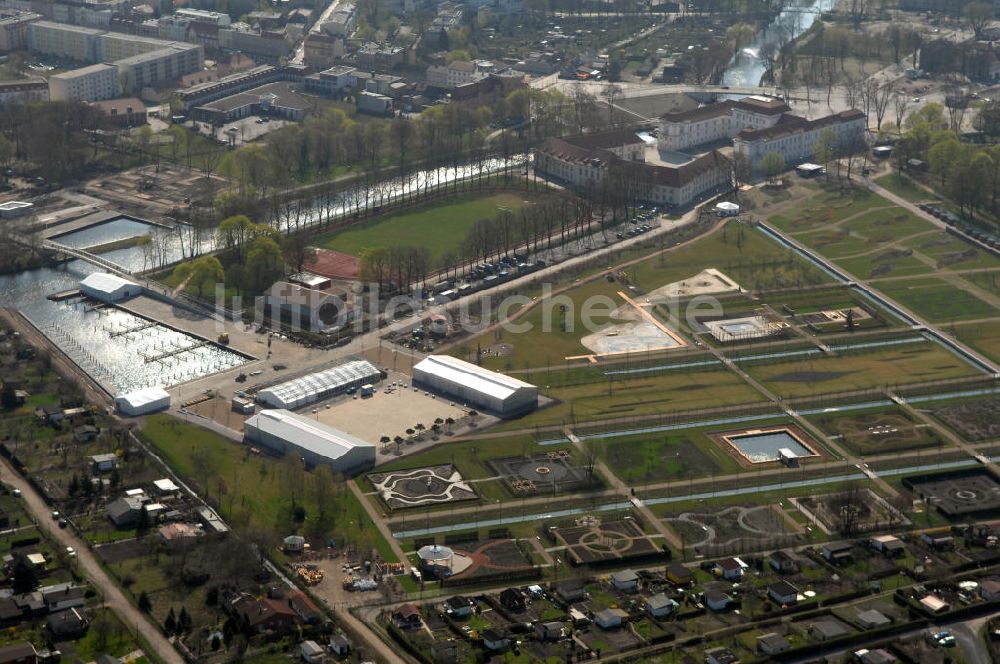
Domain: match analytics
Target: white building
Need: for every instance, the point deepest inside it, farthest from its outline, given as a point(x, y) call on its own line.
point(795, 138)
point(474, 385)
point(108, 287)
point(313, 387)
point(454, 74)
point(283, 431)
point(91, 83)
point(204, 16)
point(141, 402)
point(715, 122)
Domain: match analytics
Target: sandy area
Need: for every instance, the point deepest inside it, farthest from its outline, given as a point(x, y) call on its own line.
point(704, 283)
point(628, 337)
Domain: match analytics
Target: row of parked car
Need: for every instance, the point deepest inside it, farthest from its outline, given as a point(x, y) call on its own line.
point(952, 219)
point(482, 276)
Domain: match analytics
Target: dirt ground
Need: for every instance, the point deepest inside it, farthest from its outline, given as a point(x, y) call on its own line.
point(385, 414)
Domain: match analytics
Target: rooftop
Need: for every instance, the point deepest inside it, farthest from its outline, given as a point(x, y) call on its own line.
point(477, 378)
point(306, 434)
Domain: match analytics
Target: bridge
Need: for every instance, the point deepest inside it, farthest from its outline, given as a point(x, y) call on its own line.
point(84, 255)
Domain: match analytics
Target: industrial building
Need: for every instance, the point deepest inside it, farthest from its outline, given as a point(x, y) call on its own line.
point(470, 384)
point(282, 431)
point(141, 402)
point(108, 287)
point(316, 386)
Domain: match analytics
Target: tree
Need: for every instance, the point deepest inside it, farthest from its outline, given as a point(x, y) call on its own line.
point(297, 251)
point(25, 579)
point(264, 263)
point(7, 151)
point(772, 164)
point(144, 604)
point(978, 15)
point(170, 623)
point(738, 36)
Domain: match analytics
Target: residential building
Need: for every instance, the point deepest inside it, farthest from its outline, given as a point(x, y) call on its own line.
point(783, 562)
point(661, 606)
point(783, 593)
point(494, 641)
point(23, 91)
point(312, 652)
point(872, 619)
point(378, 58)
point(204, 16)
point(123, 112)
point(625, 581)
point(454, 74)
point(342, 22)
point(550, 631)
point(458, 606)
point(570, 591)
point(374, 104)
point(890, 545)
point(721, 656)
point(610, 618)
point(827, 629)
point(795, 139)
point(62, 596)
point(679, 575)
point(585, 161)
point(14, 29)
point(716, 600)
point(124, 512)
point(772, 644)
point(70, 42)
point(18, 653)
point(407, 616)
point(333, 82)
point(102, 463)
point(69, 624)
point(513, 599)
point(323, 50)
point(837, 552)
point(730, 569)
point(158, 67)
point(263, 44)
point(716, 122)
point(266, 614)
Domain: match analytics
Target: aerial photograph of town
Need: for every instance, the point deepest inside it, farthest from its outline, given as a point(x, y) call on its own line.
point(528, 331)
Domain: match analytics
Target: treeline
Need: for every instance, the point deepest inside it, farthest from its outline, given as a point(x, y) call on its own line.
point(331, 143)
point(54, 136)
point(540, 226)
point(968, 173)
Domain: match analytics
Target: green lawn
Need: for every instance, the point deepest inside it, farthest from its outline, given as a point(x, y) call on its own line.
point(860, 433)
point(258, 491)
point(648, 395)
point(908, 363)
point(937, 300)
point(546, 334)
point(903, 187)
point(984, 337)
point(659, 457)
point(440, 227)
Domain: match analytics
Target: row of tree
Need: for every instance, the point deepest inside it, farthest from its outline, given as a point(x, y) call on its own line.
point(966, 172)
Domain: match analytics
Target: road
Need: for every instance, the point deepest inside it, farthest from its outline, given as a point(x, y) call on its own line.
point(317, 27)
point(88, 565)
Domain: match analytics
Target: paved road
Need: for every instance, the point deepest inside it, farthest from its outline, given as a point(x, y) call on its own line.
point(88, 565)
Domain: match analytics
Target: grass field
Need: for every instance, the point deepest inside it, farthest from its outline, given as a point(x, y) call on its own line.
point(937, 300)
point(910, 363)
point(258, 491)
point(984, 337)
point(747, 257)
point(644, 396)
point(440, 227)
point(659, 457)
point(903, 187)
point(860, 432)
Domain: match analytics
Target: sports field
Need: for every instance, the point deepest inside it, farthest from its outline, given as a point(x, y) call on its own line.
point(440, 227)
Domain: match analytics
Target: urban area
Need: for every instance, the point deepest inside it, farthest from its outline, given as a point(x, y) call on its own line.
point(410, 331)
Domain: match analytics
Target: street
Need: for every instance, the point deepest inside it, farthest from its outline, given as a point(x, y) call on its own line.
point(133, 618)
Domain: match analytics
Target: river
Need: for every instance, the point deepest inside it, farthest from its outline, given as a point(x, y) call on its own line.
point(747, 68)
